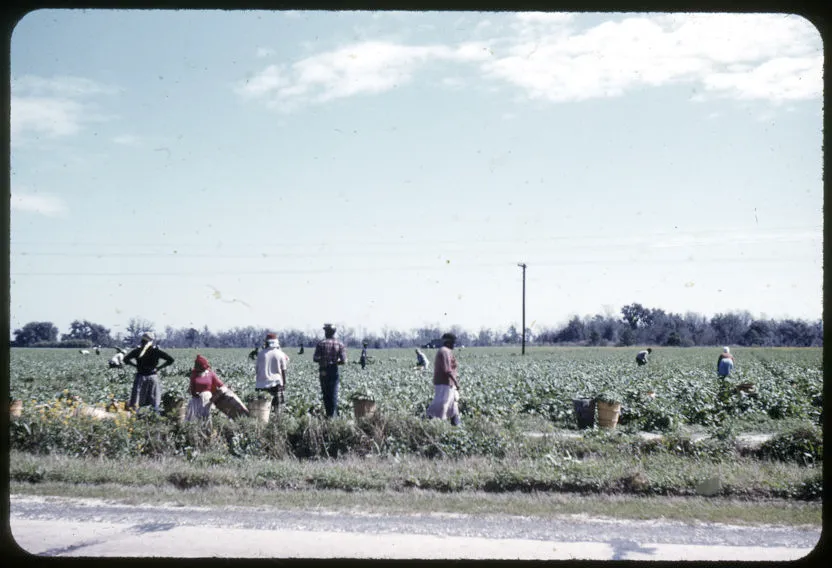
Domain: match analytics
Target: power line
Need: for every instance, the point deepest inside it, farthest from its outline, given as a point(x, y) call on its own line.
point(444, 266)
point(398, 242)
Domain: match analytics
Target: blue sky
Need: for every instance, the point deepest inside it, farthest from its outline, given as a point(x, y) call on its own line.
point(284, 169)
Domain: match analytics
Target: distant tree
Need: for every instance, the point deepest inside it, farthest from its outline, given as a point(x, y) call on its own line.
point(34, 332)
point(698, 329)
point(136, 326)
point(511, 336)
point(574, 331)
point(594, 337)
point(730, 328)
point(673, 339)
point(627, 337)
point(760, 332)
point(797, 333)
point(94, 333)
point(636, 315)
point(485, 337)
point(192, 337)
point(207, 338)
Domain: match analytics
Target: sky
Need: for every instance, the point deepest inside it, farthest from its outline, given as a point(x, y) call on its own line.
point(391, 169)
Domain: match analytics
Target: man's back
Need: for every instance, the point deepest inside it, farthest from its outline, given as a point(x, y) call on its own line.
point(329, 351)
point(270, 363)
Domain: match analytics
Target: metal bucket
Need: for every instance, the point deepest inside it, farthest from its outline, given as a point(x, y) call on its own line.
point(584, 412)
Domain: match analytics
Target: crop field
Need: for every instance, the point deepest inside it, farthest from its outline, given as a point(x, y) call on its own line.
point(518, 433)
point(496, 383)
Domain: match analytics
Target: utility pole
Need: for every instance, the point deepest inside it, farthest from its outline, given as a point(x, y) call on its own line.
point(523, 330)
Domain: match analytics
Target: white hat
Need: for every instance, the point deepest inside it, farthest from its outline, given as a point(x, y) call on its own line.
point(726, 350)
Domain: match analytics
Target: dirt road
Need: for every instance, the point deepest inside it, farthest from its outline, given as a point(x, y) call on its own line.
point(93, 528)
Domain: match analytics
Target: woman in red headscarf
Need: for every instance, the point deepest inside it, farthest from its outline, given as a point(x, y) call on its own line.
point(204, 384)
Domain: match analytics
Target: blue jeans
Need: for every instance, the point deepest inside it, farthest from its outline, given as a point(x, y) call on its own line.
point(329, 388)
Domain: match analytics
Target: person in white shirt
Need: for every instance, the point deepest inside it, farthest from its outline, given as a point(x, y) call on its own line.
point(117, 360)
point(271, 366)
point(421, 360)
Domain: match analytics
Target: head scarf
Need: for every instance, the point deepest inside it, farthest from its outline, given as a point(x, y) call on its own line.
point(147, 338)
point(200, 366)
point(726, 350)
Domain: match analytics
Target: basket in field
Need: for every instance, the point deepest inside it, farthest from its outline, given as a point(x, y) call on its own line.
point(94, 412)
point(230, 404)
point(608, 414)
point(363, 408)
point(260, 408)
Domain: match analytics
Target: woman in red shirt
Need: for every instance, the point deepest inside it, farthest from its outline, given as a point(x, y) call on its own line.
point(204, 384)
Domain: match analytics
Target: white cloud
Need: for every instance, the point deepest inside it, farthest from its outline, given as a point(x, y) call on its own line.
point(753, 56)
point(61, 86)
point(779, 79)
point(361, 68)
point(48, 205)
point(267, 80)
point(50, 117)
point(740, 56)
point(53, 107)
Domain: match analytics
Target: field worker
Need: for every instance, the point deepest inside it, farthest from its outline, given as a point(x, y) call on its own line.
point(445, 383)
point(117, 360)
point(300, 351)
point(725, 363)
point(363, 358)
point(272, 365)
point(204, 385)
point(98, 350)
point(253, 353)
point(421, 360)
point(329, 355)
point(641, 356)
point(147, 389)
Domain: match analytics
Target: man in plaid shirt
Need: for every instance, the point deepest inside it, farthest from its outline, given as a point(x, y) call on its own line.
point(329, 354)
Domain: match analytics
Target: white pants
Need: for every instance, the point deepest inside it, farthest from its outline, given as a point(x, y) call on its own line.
point(199, 407)
point(444, 403)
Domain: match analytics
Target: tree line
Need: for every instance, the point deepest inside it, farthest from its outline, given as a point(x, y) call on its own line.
point(636, 325)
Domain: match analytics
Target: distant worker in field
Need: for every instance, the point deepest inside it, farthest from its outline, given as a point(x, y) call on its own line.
point(641, 356)
point(272, 367)
point(329, 355)
point(117, 360)
point(147, 388)
point(363, 358)
point(300, 351)
point(204, 384)
point(421, 360)
point(98, 350)
point(725, 363)
point(445, 383)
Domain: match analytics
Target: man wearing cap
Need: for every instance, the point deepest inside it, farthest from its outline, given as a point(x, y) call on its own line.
point(329, 354)
point(147, 389)
point(445, 383)
point(272, 365)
